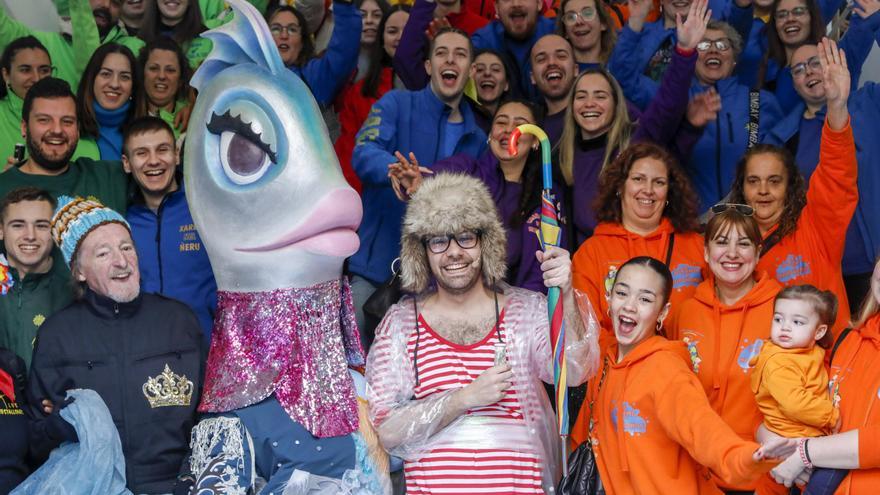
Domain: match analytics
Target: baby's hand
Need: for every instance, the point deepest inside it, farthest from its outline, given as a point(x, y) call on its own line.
point(838, 425)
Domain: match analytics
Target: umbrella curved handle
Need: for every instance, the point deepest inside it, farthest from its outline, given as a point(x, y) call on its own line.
point(546, 169)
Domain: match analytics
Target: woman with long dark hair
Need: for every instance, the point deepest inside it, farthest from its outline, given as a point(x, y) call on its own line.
point(166, 76)
point(108, 98)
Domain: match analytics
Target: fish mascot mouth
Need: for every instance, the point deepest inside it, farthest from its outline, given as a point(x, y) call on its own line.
point(333, 234)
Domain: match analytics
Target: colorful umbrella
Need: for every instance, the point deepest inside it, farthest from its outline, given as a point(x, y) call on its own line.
point(550, 235)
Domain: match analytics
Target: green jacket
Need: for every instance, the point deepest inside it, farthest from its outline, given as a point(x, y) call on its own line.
point(69, 54)
point(103, 180)
point(10, 131)
point(28, 303)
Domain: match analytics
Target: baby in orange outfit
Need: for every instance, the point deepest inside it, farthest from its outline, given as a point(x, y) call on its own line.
point(789, 378)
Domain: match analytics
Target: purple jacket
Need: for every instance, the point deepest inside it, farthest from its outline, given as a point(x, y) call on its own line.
point(661, 123)
point(523, 269)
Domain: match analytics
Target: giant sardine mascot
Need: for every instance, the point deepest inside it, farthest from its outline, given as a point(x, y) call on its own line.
point(278, 220)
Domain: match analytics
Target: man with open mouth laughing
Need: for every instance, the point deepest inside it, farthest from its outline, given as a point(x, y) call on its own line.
point(50, 128)
point(171, 256)
point(553, 72)
point(429, 124)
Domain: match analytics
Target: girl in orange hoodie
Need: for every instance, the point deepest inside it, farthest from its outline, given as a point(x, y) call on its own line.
point(804, 229)
point(652, 424)
point(855, 378)
point(645, 207)
point(728, 319)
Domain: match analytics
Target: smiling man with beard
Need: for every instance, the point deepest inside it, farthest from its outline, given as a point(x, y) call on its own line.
point(49, 126)
point(553, 72)
point(516, 30)
point(455, 372)
point(142, 353)
point(93, 23)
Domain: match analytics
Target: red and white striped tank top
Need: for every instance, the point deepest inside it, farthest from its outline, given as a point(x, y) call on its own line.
point(465, 467)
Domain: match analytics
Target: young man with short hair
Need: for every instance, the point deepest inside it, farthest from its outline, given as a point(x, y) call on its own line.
point(34, 281)
point(171, 257)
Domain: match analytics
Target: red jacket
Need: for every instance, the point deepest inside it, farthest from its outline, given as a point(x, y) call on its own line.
point(353, 108)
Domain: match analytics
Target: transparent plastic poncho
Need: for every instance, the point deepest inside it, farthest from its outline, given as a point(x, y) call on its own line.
point(410, 428)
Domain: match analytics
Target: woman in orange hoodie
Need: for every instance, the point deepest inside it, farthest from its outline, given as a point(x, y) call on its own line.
point(855, 380)
point(645, 207)
point(652, 424)
point(728, 319)
point(804, 229)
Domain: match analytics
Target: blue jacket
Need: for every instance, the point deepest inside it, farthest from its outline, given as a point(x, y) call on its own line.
point(492, 36)
point(171, 257)
point(405, 121)
point(712, 163)
point(327, 74)
point(633, 53)
point(864, 109)
point(778, 79)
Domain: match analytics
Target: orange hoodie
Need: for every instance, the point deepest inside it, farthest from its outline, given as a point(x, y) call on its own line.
point(791, 387)
point(855, 377)
point(813, 252)
point(721, 340)
point(654, 427)
point(595, 263)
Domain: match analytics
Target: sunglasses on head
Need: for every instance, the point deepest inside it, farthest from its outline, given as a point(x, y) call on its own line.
point(740, 208)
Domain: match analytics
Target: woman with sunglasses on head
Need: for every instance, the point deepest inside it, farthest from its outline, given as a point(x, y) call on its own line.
point(650, 425)
point(728, 319)
point(855, 381)
point(325, 75)
point(803, 229)
point(354, 102)
point(587, 25)
point(514, 181)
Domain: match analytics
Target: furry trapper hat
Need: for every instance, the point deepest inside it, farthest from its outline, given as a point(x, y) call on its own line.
point(450, 204)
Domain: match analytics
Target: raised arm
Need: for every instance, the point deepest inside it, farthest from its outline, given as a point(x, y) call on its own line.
point(410, 55)
point(833, 191)
point(859, 38)
point(325, 75)
point(624, 64)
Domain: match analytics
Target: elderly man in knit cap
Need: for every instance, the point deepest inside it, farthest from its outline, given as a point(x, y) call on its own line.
point(142, 353)
point(455, 372)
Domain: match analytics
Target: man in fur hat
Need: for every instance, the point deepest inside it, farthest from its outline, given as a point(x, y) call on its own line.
point(454, 374)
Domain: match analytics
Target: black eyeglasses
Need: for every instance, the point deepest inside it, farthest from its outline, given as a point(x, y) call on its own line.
point(740, 208)
point(438, 244)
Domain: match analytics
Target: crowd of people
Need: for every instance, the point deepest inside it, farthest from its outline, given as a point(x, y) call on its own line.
point(714, 171)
